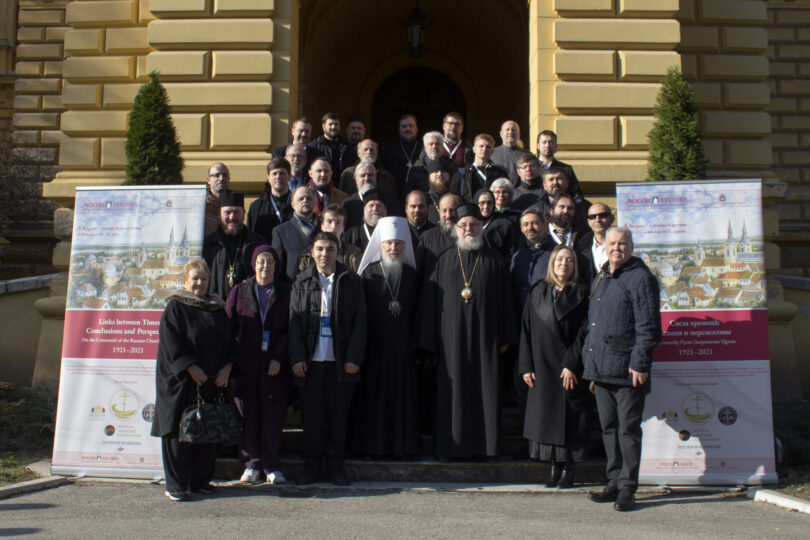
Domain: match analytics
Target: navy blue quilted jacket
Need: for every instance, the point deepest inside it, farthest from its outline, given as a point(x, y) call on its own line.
point(624, 324)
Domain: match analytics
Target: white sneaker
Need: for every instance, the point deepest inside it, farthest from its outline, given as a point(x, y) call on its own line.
point(250, 476)
point(276, 477)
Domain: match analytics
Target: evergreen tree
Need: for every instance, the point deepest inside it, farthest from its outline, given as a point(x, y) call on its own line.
point(152, 147)
point(676, 152)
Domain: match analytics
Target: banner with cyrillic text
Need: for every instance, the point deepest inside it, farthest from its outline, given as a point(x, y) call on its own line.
point(128, 249)
point(708, 418)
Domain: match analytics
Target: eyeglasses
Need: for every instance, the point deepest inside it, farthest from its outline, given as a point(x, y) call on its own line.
point(600, 215)
point(469, 225)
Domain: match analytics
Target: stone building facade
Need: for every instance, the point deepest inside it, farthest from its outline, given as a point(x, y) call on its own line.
point(238, 71)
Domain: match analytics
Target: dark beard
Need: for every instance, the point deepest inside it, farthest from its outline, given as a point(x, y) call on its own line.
point(562, 221)
point(448, 229)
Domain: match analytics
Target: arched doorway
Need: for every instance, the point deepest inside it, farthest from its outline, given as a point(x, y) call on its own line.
point(424, 92)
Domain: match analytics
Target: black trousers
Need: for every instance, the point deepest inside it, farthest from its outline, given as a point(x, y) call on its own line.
point(187, 467)
point(620, 414)
point(325, 411)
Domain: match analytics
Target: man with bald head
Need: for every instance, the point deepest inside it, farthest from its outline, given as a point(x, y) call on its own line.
point(219, 181)
point(293, 238)
point(365, 179)
point(505, 155)
point(592, 243)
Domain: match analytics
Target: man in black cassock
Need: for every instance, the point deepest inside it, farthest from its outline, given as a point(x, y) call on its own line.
point(466, 320)
point(374, 208)
point(385, 416)
point(229, 248)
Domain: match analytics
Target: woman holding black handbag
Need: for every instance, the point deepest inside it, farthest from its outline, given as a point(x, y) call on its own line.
point(196, 350)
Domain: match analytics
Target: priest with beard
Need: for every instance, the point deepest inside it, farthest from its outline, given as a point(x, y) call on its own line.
point(561, 231)
point(228, 249)
point(385, 415)
point(440, 177)
point(436, 240)
point(373, 209)
point(466, 320)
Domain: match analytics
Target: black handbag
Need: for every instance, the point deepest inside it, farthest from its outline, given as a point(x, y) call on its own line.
point(216, 421)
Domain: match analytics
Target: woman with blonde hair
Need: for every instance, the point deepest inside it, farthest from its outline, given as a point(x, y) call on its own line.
point(558, 402)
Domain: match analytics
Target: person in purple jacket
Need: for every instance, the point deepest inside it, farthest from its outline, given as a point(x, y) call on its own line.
point(259, 308)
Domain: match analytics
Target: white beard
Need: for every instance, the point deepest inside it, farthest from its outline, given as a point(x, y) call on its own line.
point(372, 220)
point(469, 244)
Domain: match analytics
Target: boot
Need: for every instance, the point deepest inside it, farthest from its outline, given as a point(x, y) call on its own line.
point(554, 475)
point(567, 479)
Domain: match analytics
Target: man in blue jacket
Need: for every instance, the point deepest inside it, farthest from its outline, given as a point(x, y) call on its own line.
point(624, 327)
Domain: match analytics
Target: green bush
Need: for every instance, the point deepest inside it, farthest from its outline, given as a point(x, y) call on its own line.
point(791, 423)
point(152, 147)
point(27, 418)
point(676, 152)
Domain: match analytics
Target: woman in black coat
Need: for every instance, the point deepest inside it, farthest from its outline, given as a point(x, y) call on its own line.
point(558, 403)
point(196, 349)
point(260, 310)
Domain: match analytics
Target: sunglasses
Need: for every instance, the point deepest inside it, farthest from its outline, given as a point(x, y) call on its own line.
point(600, 215)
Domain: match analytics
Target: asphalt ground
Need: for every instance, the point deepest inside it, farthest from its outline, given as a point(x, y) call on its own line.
point(90, 509)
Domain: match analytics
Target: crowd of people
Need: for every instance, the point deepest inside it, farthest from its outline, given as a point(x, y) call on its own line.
point(399, 292)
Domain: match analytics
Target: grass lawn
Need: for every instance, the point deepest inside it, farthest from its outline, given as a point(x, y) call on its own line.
point(27, 418)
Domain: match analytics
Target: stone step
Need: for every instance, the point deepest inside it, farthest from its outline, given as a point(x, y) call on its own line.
point(498, 470)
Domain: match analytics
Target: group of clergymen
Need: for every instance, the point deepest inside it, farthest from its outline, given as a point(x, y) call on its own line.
point(461, 232)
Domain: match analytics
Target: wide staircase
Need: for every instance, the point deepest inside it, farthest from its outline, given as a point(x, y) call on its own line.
point(510, 467)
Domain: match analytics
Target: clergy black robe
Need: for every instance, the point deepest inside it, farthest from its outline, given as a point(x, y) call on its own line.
point(398, 158)
point(465, 340)
point(221, 252)
point(551, 339)
point(358, 236)
point(499, 234)
point(385, 414)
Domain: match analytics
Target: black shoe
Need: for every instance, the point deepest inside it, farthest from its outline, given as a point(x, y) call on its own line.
point(205, 490)
point(608, 494)
point(553, 475)
point(176, 495)
point(309, 477)
point(567, 478)
point(339, 478)
point(625, 501)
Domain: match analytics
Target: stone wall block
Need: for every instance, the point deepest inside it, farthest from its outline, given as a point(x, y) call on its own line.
point(211, 34)
point(192, 130)
point(102, 68)
point(52, 69)
point(720, 66)
point(736, 123)
point(27, 103)
point(587, 131)
point(240, 131)
point(223, 96)
point(736, 11)
point(804, 70)
point(713, 149)
point(742, 39)
point(31, 34)
point(119, 96)
point(55, 34)
point(617, 33)
point(689, 66)
point(785, 70)
point(582, 96)
point(25, 138)
point(52, 103)
point(242, 65)
point(796, 87)
point(102, 13)
point(186, 65)
point(36, 120)
point(40, 17)
point(749, 153)
point(647, 65)
point(584, 8)
point(792, 17)
point(803, 35)
point(708, 95)
point(572, 65)
point(793, 52)
point(84, 42)
point(745, 95)
point(687, 13)
point(76, 153)
point(699, 39)
point(796, 158)
point(39, 51)
point(180, 8)
point(51, 138)
point(28, 69)
point(781, 35)
point(94, 122)
point(648, 8)
point(127, 41)
point(82, 96)
point(783, 140)
point(243, 8)
point(113, 154)
point(29, 155)
point(37, 86)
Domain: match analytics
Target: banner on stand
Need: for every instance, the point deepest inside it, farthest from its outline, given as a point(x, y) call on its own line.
point(128, 249)
point(708, 419)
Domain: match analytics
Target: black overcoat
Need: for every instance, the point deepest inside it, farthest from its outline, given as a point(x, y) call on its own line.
point(192, 331)
point(551, 338)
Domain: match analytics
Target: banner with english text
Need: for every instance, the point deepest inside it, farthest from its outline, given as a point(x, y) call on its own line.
point(708, 419)
point(128, 249)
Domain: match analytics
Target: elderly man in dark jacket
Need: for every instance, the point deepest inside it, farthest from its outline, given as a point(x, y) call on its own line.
point(327, 346)
point(624, 327)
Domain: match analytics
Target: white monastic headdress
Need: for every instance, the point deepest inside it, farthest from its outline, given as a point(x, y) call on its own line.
point(389, 228)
